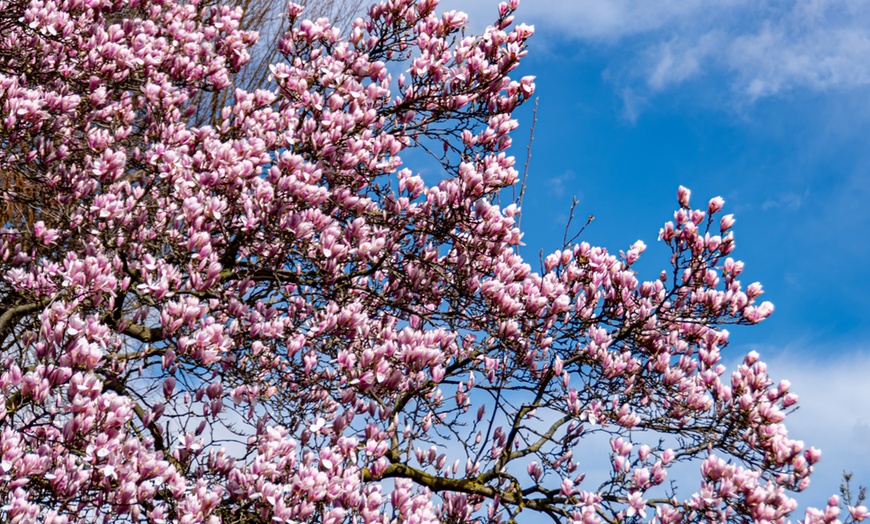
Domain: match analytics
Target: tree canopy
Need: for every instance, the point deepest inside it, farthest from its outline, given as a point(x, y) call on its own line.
point(266, 316)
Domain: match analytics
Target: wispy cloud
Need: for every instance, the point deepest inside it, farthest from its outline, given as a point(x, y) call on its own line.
point(757, 49)
point(618, 19)
point(834, 412)
point(558, 184)
point(674, 62)
point(790, 201)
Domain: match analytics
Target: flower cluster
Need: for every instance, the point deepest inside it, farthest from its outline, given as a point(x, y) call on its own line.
point(269, 318)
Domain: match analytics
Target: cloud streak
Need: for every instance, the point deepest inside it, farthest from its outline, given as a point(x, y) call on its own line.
point(756, 49)
point(834, 414)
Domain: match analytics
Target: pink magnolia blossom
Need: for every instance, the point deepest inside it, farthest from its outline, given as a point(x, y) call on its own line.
point(271, 318)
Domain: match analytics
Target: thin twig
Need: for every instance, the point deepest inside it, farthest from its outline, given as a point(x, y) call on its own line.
point(567, 241)
point(519, 200)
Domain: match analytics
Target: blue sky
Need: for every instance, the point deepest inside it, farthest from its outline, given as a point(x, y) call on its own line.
point(766, 103)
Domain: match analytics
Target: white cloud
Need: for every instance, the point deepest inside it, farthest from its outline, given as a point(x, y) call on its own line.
point(834, 414)
point(790, 201)
point(633, 103)
point(785, 57)
point(592, 19)
point(676, 60)
point(557, 185)
point(610, 21)
point(759, 48)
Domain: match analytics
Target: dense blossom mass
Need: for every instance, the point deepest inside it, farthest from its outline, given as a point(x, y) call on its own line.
point(272, 319)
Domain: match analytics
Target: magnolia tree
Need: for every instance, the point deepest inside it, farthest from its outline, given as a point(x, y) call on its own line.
point(264, 16)
point(269, 318)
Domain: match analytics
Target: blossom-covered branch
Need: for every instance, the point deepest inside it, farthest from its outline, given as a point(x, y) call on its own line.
point(266, 316)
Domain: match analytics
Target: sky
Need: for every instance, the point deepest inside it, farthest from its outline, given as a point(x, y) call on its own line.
point(764, 102)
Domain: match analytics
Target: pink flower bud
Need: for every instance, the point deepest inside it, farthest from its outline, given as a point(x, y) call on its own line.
point(567, 488)
point(683, 195)
point(535, 471)
point(715, 205)
point(643, 452)
point(754, 290)
point(552, 261)
point(858, 513)
point(168, 387)
point(789, 400)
